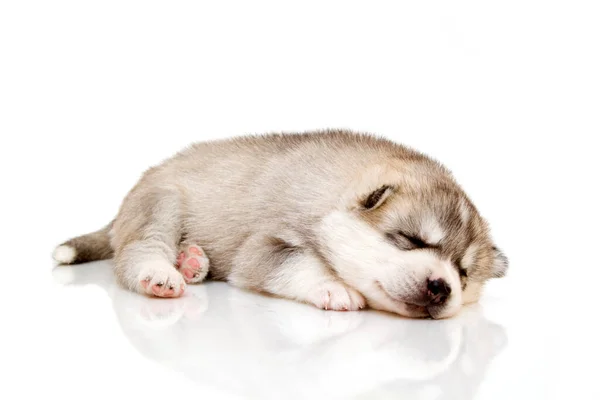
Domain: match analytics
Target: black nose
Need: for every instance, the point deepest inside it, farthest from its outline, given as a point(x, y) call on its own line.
point(438, 291)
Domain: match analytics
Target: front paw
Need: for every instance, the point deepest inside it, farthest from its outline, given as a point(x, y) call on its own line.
point(338, 297)
point(158, 278)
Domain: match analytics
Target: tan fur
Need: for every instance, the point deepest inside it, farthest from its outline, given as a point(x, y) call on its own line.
point(256, 204)
point(91, 247)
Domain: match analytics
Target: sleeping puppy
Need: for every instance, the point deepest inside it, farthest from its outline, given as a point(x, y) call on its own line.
point(337, 219)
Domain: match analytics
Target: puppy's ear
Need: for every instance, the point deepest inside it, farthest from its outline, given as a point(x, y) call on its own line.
point(500, 265)
point(376, 197)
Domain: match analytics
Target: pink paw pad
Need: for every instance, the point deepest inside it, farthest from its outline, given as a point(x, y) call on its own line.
point(161, 290)
point(188, 273)
point(191, 262)
point(194, 263)
point(195, 250)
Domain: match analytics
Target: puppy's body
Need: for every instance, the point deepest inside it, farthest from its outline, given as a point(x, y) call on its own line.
point(331, 218)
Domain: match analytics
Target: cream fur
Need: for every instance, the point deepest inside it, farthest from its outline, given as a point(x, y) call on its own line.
point(64, 254)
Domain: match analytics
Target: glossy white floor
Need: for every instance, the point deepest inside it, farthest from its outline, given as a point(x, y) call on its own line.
point(503, 93)
point(77, 333)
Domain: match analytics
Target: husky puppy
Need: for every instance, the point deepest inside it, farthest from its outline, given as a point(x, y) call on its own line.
point(337, 219)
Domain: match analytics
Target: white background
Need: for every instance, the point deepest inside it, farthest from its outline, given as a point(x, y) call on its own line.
point(506, 94)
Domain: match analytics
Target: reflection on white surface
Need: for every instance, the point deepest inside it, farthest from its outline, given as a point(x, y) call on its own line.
point(254, 346)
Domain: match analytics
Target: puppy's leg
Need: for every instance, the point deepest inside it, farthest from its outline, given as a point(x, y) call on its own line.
point(146, 236)
point(305, 279)
point(192, 262)
point(145, 267)
point(267, 265)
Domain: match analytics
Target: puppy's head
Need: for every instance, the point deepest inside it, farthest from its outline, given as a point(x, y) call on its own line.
point(412, 242)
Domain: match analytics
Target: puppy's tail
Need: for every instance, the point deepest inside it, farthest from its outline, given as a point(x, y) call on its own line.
point(91, 247)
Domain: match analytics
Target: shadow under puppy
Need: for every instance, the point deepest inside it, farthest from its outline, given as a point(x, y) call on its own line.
point(333, 218)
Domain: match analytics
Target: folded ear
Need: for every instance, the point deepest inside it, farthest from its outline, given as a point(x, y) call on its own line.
point(376, 198)
point(500, 265)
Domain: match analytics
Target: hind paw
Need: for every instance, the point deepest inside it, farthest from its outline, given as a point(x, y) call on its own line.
point(161, 280)
point(192, 263)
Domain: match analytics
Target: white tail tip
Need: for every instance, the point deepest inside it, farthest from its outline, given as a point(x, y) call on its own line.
point(64, 254)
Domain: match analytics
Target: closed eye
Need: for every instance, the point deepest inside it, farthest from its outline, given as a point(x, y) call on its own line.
point(409, 242)
point(415, 241)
